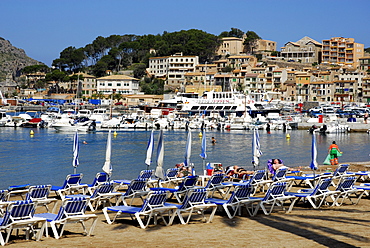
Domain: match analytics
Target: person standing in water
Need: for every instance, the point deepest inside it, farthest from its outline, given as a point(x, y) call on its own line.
point(334, 152)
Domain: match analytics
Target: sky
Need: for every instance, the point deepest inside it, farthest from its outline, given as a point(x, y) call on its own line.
point(44, 28)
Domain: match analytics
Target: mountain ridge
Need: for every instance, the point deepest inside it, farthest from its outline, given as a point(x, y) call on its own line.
point(13, 60)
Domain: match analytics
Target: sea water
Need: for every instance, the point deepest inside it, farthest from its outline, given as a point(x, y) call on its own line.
point(46, 156)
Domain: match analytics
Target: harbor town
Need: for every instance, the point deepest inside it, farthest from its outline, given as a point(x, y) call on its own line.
point(185, 138)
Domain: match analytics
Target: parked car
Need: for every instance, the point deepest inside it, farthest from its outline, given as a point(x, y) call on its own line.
point(344, 113)
point(360, 112)
point(315, 113)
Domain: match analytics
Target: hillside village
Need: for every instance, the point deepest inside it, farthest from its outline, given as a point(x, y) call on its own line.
point(332, 70)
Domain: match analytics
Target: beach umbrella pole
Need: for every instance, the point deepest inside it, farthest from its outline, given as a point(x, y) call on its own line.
point(204, 167)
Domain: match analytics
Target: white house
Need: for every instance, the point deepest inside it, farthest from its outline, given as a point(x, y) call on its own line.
point(120, 84)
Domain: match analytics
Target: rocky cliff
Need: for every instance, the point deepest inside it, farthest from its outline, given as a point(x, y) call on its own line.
point(12, 60)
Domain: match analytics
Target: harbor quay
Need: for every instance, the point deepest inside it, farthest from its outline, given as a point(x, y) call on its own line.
point(358, 126)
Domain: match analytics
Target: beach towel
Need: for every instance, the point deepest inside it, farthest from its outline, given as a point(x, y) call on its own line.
point(327, 160)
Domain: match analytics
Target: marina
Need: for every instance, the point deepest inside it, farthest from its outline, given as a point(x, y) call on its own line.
point(46, 156)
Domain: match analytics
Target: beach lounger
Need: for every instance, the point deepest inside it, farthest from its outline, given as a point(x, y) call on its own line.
point(170, 178)
point(102, 195)
point(71, 211)
point(345, 189)
point(365, 187)
point(153, 207)
point(20, 216)
point(4, 197)
point(179, 191)
point(258, 180)
point(20, 190)
point(363, 175)
point(275, 196)
point(194, 203)
point(71, 184)
point(144, 174)
point(136, 189)
point(339, 172)
point(239, 197)
point(316, 197)
point(39, 195)
point(100, 177)
point(308, 179)
point(215, 184)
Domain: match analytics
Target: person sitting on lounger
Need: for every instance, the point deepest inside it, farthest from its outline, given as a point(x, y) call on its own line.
point(183, 170)
point(239, 172)
point(275, 164)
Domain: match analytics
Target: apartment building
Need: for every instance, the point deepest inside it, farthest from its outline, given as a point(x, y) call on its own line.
point(251, 83)
point(352, 74)
point(303, 80)
point(279, 76)
point(321, 91)
point(345, 90)
point(237, 61)
point(172, 69)
point(305, 50)
point(87, 85)
point(364, 63)
point(342, 51)
point(120, 84)
point(366, 89)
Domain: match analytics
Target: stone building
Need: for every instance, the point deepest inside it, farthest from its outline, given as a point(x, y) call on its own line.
point(230, 46)
point(306, 50)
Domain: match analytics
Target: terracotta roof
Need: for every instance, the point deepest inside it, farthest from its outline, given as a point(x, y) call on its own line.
point(240, 56)
point(223, 76)
point(326, 82)
point(293, 43)
point(251, 75)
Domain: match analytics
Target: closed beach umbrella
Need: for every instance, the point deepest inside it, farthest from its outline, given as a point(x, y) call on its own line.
point(149, 149)
point(313, 164)
point(188, 150)
point(160, 155)
point(107, 167)
point(256, 148)
point(76, 149)
point(203, 154)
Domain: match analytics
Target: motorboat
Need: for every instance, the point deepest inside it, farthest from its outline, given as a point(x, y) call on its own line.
point(18, 120)
point(83, 126)
point(4, 118)
point(84, 113)
point(331, 128)
point(99, 115)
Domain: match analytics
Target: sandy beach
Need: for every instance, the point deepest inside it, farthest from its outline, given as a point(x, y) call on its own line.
point(344, 226)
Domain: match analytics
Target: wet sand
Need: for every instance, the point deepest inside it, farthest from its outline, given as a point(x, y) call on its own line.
point(344, 226)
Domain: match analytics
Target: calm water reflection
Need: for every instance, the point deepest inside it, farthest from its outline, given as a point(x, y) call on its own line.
point(46, 157)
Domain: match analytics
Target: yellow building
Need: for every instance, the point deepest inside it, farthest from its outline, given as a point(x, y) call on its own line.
point(342, 51)
point(230, 46)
